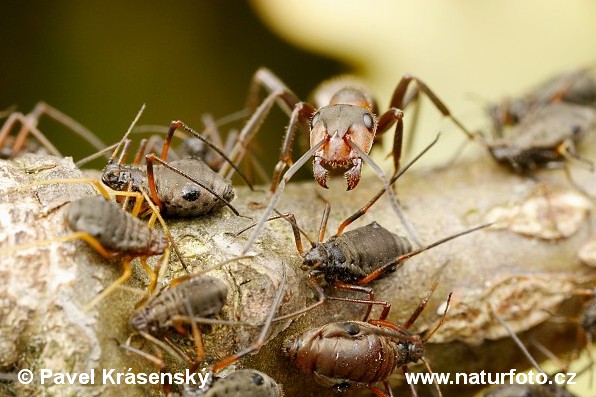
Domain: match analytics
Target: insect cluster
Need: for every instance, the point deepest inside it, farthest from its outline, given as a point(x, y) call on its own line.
point(207, 310)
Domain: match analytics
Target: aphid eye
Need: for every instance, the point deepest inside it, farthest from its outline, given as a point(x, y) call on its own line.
point(352, 329)
point(257, 379)
point(190, 192)
point(368, 120)
point(314, 120)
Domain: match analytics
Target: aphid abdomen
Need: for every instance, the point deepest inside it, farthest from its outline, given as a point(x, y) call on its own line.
point(344, 355)
point(202, 296)
point(367, 248)
point(181, 197)
point(114, 228)
point(535, 142)
point(244, 382)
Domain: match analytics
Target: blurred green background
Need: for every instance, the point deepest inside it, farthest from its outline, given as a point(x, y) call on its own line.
point(98, 61)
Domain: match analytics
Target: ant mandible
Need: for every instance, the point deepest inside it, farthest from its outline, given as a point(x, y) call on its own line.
point(343, 124)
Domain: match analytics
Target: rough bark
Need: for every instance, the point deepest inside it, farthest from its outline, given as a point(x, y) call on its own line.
point(525, 278)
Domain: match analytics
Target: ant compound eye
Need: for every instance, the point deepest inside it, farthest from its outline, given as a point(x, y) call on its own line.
point(190, 192)
point(368, 120)
point(314, 120)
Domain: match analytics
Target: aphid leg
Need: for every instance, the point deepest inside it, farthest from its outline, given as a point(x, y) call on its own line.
point(180, 124)
point(277, 195)
point(95, 155)
point(92, 241)
point(380, 393)
point(400, 259)
point(516, 339)
point(369, 302)
point(126, 273)
point(413, 392)
point(567, 149)
point(394, 178)
point(264, 330)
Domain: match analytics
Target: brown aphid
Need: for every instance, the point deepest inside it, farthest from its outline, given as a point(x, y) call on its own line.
point(355, 354)
point(342, 125)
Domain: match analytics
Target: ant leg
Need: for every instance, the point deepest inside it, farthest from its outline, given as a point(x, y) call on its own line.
point(50, 111)
point(386, 120)
point(394, 178)
point(300, 115)
point(399, 101)
point(265, 78)
point(21, 137)
point(392, 199)
point(277, 195)
point(400, 259)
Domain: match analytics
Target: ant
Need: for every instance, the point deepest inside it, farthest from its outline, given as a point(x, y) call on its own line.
point(196, 299)
point(342, 123)
point(20, 142)
point(345, 355)
point(350, 260)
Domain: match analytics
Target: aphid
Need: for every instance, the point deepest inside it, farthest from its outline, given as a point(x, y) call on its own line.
point(342, 125)
point(113, 233)
point(186, 187)
point(12, 146)
point(194, 299)
point(546, 125)
point(354, 354)
point(545, 137)
point(548, 389)
point(577, 87)
point(357, 257)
